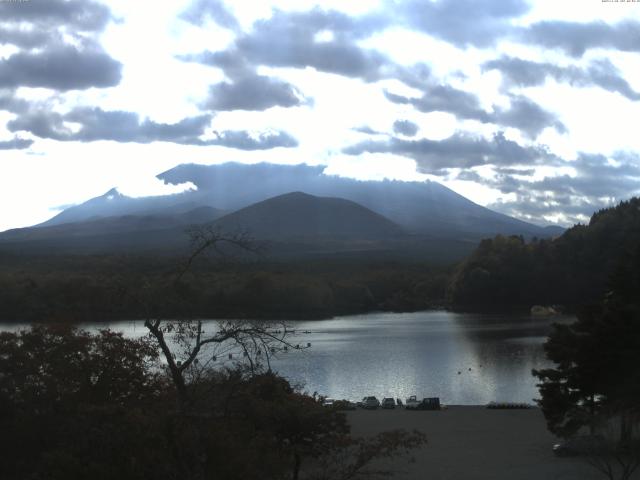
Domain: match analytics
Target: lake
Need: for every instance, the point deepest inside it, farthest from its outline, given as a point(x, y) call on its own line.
point(465, 359)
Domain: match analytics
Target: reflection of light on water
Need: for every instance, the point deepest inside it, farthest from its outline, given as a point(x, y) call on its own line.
point(399, 355)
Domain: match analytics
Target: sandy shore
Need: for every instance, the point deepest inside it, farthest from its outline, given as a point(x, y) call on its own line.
point(477, 444)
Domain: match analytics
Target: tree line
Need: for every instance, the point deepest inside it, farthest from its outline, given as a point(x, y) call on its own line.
point(571, 270)
point(50, 289)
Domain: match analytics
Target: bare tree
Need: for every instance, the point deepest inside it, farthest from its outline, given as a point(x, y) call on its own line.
point(184, 342)
point(302, 428)
point(617, 457)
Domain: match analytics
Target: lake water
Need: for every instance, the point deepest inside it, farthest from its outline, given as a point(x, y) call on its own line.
point(465, 359)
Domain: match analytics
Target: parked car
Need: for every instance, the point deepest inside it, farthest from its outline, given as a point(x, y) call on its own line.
point(431, 403)
point(344, 405)
point(411, 403)
point(388, 402)
point(580, 445)
point(370, 403)
point(328, 402)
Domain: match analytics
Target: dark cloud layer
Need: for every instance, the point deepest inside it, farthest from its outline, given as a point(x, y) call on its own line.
point(242, 140)
point(10, 103)
point(57, 63)
point(464, 22)
point(366, 129)
point(526, 73)
point(96, 124)
point(405, 127)
point(78, 15)
point(522, 114)
point(457, 151)
point(252, 92)
point(15, 144)
point(527, 116)
point(203, 10)
point(61, 68)
point(445, 98)
point(576, 38)
point(23, 39)
point(289, 40)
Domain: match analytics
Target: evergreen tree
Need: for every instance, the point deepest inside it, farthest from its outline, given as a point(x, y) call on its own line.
point(597, 373)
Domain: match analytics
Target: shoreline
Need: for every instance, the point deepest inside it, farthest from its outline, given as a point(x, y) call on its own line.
point(524, 312)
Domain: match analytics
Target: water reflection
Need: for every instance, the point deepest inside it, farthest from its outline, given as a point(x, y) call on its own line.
point(461, 358)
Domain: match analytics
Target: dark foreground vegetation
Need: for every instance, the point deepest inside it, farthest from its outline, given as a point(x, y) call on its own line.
point(75, 405)
point(594, 386)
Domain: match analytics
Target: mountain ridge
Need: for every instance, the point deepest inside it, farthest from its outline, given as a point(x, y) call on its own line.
point(296, 207)
point(419, 207)
point(296, 215)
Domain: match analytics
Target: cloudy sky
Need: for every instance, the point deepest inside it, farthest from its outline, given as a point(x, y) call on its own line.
point(528, 107)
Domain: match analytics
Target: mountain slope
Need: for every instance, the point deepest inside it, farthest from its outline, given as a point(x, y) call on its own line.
point(115, 204)
point(109, 234)
point(419, 207)
point(425, 208)
point(298, 215)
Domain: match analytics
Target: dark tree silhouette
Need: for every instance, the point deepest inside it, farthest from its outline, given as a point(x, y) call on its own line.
point(596, 380)
point(184, 340)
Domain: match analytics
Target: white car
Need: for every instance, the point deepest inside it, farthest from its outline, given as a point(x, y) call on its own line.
point(370, 402)
point(411, 403)
point(328, 402)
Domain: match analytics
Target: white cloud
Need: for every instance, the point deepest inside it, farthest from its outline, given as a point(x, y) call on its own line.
point(598, 121)
point(155, 84)
point(580, 11)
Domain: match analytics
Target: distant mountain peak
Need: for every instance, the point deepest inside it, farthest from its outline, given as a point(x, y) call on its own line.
point(301, 215)
point(112, 194)
point(419, 207)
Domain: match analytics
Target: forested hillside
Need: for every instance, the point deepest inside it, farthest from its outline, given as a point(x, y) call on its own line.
point(99, 288)
point(571, 270)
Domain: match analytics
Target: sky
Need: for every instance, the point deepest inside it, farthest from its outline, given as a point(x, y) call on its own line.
point(530, 108)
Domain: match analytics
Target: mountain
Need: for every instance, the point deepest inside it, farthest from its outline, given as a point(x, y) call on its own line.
point(326, 215)
point(300, 216)
point(107, 234)
point(114, 225)
point(115, 204)
point(425, 208)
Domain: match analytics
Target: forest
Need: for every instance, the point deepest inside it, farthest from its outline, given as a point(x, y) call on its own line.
point(102, 288)
point(502, 273)
point(571, 270)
